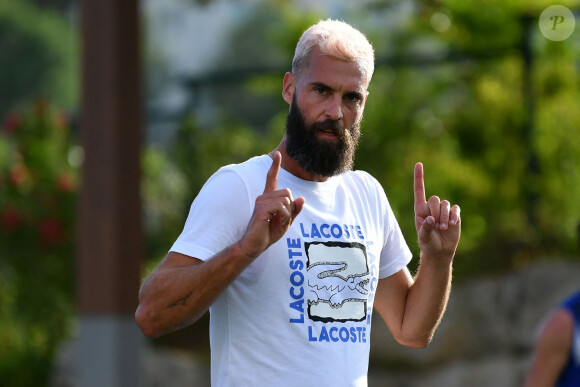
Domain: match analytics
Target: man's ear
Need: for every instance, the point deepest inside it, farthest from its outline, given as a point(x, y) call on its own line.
point(288, 88)
point(366, 96)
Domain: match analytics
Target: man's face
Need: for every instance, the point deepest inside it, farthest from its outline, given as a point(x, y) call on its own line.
point(326, 105)
point(314, 153)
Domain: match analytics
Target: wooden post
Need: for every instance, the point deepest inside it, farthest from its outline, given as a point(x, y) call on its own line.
point(110, 235)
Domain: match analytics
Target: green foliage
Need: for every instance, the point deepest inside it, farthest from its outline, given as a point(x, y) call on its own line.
point(38, 186)
point(164, 192)
point(502, 142)
point(171, 180)
point(263, 51)
point(199, 152)
point(478, 127)
point(39, 57)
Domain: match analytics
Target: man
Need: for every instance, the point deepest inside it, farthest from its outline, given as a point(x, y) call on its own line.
point(557, 353)
point(292, 250)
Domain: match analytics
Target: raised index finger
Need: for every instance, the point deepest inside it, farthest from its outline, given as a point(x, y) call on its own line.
point(419, 185)
point(272, 176)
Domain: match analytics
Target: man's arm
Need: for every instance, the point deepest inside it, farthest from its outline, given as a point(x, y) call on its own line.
point(182, 288)
point(552, 350)
point(413, 308)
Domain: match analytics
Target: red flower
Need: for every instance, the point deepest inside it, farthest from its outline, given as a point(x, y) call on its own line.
point(11, 124)
point(51, 232)
point(65, 182)
point(19, 174)
point(12, 219)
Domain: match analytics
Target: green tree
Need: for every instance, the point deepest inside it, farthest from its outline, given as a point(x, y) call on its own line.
point(496, 135)
point(39, 57)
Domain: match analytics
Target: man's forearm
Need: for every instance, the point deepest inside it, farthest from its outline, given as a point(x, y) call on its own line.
point(426, 301)
point(182, 289)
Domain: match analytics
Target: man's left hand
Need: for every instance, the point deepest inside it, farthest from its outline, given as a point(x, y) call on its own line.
point(438, 223)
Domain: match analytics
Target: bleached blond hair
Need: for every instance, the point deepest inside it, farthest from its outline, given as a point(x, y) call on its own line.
point(337, 39)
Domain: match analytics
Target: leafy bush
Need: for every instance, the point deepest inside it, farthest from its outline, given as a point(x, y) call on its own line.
point(38, 187)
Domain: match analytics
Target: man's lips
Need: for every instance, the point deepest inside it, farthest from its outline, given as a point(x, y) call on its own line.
point(327, 133)
point(329, 130)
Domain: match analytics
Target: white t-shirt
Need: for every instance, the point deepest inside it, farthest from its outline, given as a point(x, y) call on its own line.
point(300, 314)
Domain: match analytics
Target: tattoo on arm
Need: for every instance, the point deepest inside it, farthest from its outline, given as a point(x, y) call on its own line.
point(180, 302)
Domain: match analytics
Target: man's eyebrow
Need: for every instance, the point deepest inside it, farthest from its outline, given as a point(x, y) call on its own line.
point(321, 85)
point(357, 93)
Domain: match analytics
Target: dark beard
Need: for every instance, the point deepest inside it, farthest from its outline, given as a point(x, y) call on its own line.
point(320, 157)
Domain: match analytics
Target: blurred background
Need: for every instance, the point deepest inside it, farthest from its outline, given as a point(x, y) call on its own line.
point(474, 90)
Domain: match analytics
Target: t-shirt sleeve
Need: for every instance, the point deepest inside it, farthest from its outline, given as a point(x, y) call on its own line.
point(395, 254)
point(218, 217)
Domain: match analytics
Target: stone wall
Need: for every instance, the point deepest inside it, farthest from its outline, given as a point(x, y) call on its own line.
point(486, 336)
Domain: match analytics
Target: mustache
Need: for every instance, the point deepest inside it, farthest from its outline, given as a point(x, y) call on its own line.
point(329, 124)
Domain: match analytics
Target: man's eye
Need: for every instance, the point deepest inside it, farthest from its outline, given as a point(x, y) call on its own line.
point(353, 97)
point(321, 90)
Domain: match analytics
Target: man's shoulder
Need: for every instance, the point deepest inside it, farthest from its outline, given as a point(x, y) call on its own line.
point(247, 169)
point(233, 177)
point(253, 164)
point(361, 179)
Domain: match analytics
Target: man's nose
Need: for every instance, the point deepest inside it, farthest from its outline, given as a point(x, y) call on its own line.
point(334, 108)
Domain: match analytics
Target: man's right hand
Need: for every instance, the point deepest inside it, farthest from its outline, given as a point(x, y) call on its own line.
point(274, 212)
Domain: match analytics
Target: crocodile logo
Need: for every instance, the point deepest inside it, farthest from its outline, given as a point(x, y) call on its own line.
point(338, 279)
